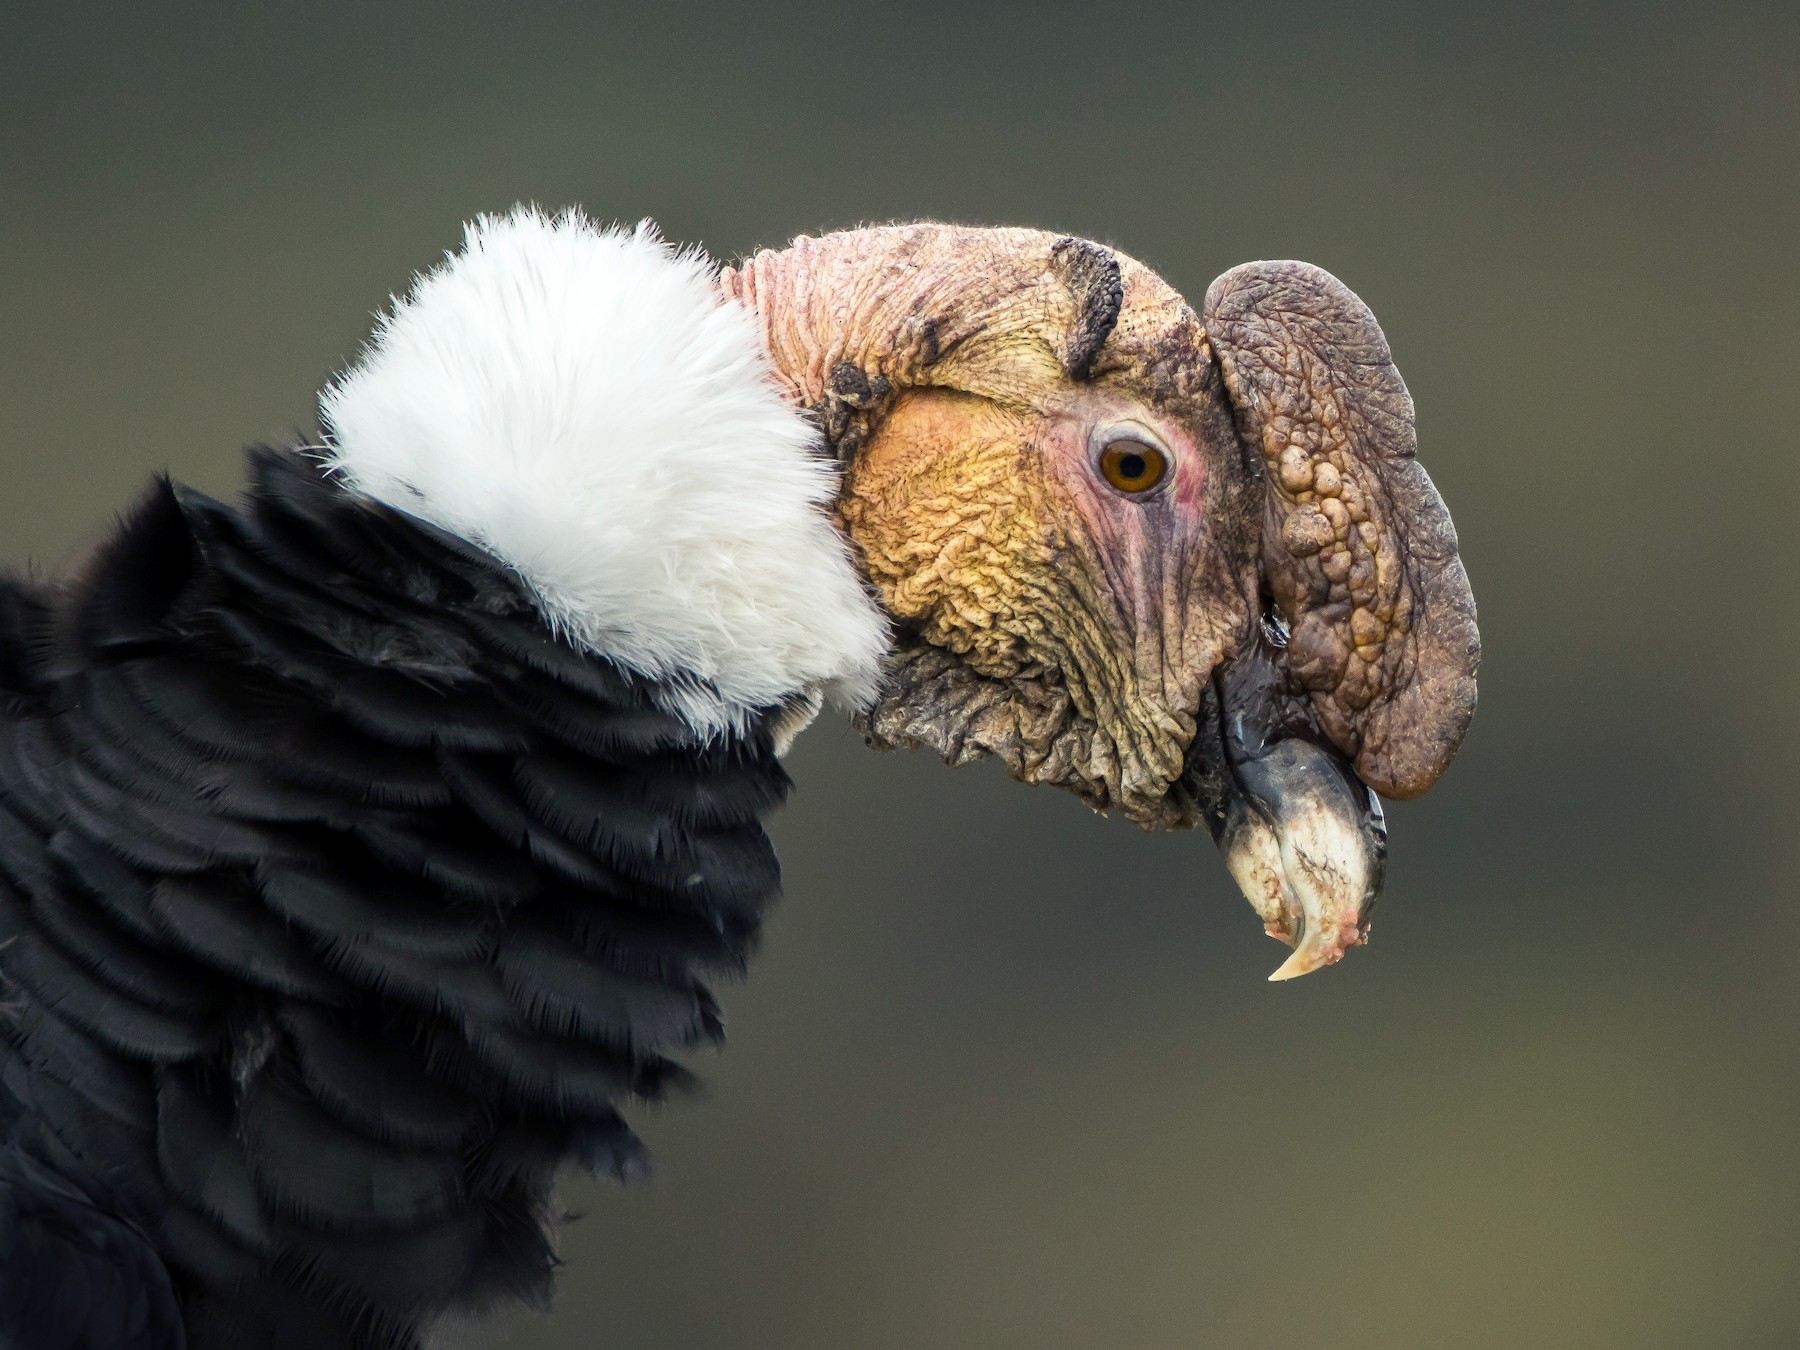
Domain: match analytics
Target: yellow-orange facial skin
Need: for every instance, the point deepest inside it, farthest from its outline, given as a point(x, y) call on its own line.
point(991, 532)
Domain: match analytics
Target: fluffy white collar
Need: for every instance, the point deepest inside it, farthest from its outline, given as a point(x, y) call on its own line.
point(581, 403)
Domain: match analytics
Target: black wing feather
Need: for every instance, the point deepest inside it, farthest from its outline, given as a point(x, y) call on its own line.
point(228, 928)
point(305, 1165)
point(402, 915)
point(200, 1160)
point(561, 992)
point(82, 933)
point(123, 1088)
point(379, 1089)
point(115, 1021)
point(112, 887)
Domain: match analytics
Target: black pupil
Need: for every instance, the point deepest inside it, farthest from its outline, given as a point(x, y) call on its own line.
point(1132, 466)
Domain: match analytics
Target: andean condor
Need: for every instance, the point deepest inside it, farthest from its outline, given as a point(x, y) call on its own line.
point(366, 846)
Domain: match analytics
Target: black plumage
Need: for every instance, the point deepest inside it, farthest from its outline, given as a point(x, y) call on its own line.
point(340, 905)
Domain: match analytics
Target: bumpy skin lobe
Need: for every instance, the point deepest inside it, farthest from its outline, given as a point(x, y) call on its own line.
point(1358, 548)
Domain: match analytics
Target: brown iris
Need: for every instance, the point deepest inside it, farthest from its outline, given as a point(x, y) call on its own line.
point(1132, 466)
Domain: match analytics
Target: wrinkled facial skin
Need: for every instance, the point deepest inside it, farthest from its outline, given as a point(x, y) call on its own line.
point(992, 538)
point(1133, 646)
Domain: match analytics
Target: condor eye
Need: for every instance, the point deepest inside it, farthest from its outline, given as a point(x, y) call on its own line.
point(1132, 466)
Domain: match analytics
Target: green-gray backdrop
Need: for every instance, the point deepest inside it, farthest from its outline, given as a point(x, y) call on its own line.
point(1007, 1074)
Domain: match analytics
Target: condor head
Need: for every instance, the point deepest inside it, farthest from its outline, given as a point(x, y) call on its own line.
point(1184, 565)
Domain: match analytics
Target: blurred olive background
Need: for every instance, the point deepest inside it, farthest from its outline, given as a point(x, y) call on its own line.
point(1007, 1074)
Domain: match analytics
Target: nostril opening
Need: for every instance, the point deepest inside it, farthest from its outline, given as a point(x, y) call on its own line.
point(1274, 627)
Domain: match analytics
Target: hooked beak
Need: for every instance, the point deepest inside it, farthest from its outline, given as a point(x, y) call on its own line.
point(1302, 835)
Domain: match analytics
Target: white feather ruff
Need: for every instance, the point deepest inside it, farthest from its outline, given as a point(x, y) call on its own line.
point(582, 403)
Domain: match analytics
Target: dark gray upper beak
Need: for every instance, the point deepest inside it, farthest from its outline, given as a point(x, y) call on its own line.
point(1303, 836)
